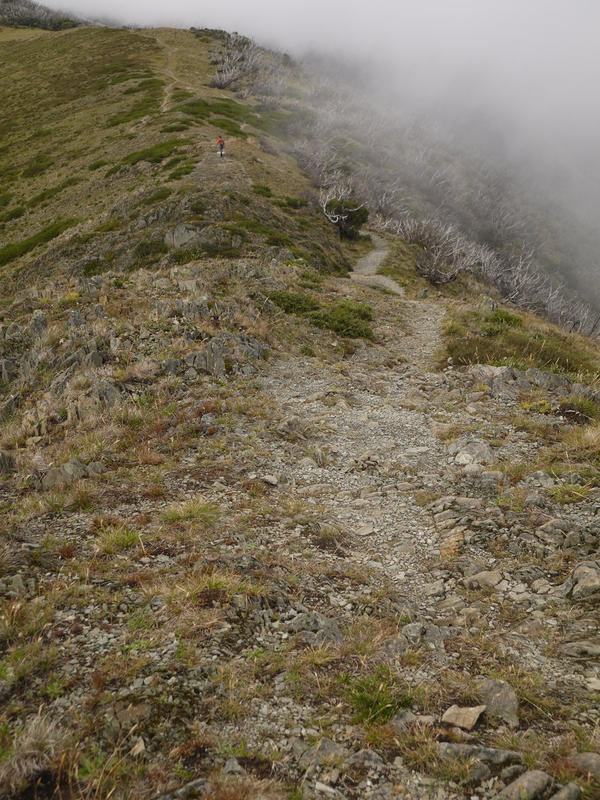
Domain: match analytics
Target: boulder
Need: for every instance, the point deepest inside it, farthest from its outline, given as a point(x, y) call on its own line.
point(228, 353)
point(468, 450)
point(500, 699)
point(315, 629)
point(489, 755)
point(588, 763)
point(38, 324)
point(465, 718)
point(584, 582)
point(528, 786)
point(7, 462)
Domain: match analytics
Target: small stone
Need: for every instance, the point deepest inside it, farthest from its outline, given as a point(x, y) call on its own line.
point(529, 786)
point(271, 480)
point(500, 699)
point(569, 792)
point(465, 718)
point(588, 763)
point(232, 767)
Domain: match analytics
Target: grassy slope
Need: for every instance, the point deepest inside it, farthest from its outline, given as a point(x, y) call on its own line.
point(118, 140)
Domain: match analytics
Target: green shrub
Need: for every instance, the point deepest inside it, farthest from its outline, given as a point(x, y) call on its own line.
point(5, 198)
point(262, 189)
point(376, 698)
point(11, 251)
point(229, 126)
point(176, 126)
point(294, 303)
point(199, 109)
point(38, 164)
point(351, 216)
point(155, 197)
point(154, 154)
point(13, 213)
point(473, 339)
point(150, 248)
point(342, 319)
point(101, 162)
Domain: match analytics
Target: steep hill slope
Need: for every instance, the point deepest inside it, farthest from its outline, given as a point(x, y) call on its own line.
point(265, 527)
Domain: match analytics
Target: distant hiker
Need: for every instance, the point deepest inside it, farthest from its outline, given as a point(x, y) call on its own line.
point(221, 145)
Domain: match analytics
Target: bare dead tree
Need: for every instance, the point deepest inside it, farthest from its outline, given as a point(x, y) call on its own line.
point(239, 59)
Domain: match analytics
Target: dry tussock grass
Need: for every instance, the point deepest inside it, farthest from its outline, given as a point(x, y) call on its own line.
point(243, 789)
point(36, 749)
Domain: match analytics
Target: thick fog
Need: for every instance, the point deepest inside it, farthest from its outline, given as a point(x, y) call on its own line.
point(515, 79)
point(528, 69)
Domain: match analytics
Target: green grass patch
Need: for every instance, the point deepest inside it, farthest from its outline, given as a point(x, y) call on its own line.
point(294, 302)
point(145, 107)
point(376, 698)
point(262, 189)
point(101, 162)
point(150, 248)
point(198, 109)
point(12, 213)
point(229, 126)
point(157, 196)
point(48, 194)
point(156, 153)
point(347, 318)
point(5, 198)
point(38, 164)
point(175, 126)
point(518, 340)
point(12, 251)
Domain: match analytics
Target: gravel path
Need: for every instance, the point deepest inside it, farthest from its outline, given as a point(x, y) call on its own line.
point(365, 270)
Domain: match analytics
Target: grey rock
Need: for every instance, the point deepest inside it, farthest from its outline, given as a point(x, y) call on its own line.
point(9, 369)
point(395, 646)
point(172, 366)
point(362, 760)
point(488, 754)
point(228, 353)
point(465, 718)
point(403, 720)
point(38, 324)
point(588, 763)
point(488, 579)
point(191, 791)
point(500, 699)
point(323, 752)
point(7, 463)
point(529, 786)
point(584, 581)
point(233, 767)
point(569, 792)
point(467, 450)
point(583, 649)
point(315, 628)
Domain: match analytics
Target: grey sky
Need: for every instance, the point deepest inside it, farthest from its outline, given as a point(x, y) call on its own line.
point(529, 68)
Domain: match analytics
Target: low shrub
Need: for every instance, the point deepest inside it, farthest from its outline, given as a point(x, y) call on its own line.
point(262, 189)
point(156, 153)
point(294, 303)
point(11, 251)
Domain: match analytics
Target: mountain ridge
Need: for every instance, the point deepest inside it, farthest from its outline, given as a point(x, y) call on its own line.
point(269, 530)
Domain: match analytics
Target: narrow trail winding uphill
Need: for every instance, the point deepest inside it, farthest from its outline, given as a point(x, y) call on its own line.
point(367, 433)
point(365, 269)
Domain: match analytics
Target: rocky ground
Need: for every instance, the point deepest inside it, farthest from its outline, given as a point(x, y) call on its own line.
point(312, 573)
point(255, 541)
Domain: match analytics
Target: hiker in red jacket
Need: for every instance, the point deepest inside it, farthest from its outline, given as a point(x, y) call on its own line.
point(221, 145)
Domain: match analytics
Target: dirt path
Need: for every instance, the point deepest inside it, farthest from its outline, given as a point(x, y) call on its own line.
point(365, 270)
point(370, 438)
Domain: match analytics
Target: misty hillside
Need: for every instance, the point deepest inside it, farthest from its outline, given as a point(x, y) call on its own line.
point(29, 14)
point(299, 494)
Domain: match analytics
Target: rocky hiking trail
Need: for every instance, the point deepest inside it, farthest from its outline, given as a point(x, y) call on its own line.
point(303, 568)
